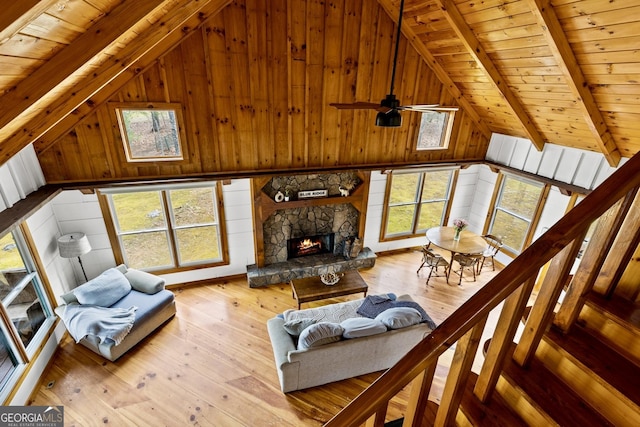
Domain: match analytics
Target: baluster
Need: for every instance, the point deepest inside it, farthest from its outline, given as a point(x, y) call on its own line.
point(465, 353)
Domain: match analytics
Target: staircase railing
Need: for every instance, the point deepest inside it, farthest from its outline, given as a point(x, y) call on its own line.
point(559, 246)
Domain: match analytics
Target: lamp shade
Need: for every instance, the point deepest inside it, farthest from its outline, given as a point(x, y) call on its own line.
point(73, 245)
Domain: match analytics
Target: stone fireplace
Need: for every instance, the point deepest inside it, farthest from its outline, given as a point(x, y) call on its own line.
point(281, 222)
point(340, 220)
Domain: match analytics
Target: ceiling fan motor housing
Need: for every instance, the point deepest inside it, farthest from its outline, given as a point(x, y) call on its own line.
point(392, 117)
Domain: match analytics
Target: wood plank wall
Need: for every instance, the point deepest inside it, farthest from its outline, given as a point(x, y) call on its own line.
point(255, 85)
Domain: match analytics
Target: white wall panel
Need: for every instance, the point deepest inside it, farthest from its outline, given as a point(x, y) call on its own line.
point(588, 169)
point(568, 164)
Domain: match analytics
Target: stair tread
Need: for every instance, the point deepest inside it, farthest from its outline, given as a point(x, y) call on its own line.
point(624, 310)
point(496, 412)
point(604, 361)
point(552, 395)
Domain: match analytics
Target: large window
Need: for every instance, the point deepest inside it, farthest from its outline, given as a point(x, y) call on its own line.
point(415, 202)
point(435, 130)
point(25, 313)
point(517, 206)
point(168, 228)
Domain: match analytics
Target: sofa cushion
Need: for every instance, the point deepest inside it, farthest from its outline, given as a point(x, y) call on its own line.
point(358, 327)
point(320, 334)
point(296, 326)
point(334, 313)
point(399, 317)
point(104, 290)
point(148, 305)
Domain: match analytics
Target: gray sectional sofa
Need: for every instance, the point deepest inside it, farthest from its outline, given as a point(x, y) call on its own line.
point(300, 368)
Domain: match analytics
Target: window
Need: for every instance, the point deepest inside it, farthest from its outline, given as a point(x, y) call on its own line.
point(26, 312)
point(435, 130)
point(151, 132)
point(415, 202)
point(182, 226)
point(516, 207)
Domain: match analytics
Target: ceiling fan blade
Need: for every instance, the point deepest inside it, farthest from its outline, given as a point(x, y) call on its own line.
point(424, 108)
point(356, 106)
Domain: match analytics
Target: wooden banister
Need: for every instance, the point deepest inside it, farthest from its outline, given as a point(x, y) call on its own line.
point(474, 311)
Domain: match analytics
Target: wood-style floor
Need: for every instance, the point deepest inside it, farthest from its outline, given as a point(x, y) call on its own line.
point(212, 365)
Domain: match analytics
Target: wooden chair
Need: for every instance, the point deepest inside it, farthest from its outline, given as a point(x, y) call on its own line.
point(432, 260)
point(466, 261)
point(494, 245)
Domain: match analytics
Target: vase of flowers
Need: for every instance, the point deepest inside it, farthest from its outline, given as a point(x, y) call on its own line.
point(459, 224)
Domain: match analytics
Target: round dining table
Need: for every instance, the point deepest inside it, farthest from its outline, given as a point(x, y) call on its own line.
point(469, 243)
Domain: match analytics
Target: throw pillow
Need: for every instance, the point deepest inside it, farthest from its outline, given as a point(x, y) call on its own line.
point(144, 282)
point(320, 334)
point(296, 326)
point(358, 327)
point(399, 317)
point(104, 290)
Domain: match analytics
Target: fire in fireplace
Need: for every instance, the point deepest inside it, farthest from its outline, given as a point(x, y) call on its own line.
point(310, 245)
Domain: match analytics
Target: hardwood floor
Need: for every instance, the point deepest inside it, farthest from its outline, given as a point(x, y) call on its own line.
point(212, 365)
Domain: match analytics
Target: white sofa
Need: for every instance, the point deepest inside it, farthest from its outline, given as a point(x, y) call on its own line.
point(302, 368)
point(154, 305)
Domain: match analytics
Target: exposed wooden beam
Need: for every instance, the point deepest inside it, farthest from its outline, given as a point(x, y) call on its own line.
point(108, 30)
point(442, 75)
point(67, 124)
point(18, 14)
point(475, 49)
point(566, 59)
point(166, 17)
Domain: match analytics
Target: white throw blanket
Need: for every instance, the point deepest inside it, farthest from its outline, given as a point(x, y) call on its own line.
point(103, 322)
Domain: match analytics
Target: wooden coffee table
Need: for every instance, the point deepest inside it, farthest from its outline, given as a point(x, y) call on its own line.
point(312, 288)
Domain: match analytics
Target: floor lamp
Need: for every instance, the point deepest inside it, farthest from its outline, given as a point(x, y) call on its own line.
point(74, 245)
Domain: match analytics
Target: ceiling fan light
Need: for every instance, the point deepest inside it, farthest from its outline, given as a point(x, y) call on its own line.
point(391, 119)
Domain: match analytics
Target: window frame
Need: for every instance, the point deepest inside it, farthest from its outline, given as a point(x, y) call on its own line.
point(104, 198)
point(533, 222)
point(446, 131)
point(22, 354)
point(177, 110)
point(417, 202)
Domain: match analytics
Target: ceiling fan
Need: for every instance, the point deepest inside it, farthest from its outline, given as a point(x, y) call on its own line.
point(389, 108)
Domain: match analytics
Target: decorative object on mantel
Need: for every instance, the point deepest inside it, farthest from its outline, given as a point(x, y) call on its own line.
point(309, 194)
point(346, 187)
point(459, 224)
point(74, 245)
point(287, 195)
point(330, 279)
point(279, 197)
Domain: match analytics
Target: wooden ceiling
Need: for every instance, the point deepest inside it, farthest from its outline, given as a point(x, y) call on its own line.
point(562, 71)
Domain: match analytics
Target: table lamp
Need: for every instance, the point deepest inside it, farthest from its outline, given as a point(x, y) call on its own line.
point(74, 245)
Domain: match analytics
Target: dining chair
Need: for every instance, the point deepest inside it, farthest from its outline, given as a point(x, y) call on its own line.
point(432, 260)
point(494, 246)
point(466, 261)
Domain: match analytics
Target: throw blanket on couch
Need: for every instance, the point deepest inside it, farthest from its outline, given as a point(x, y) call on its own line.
point(375, 304)
point(103, 322)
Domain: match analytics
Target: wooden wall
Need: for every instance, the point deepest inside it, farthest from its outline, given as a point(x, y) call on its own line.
point(256, 84)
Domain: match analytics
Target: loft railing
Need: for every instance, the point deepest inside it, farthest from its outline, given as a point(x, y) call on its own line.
point(609, 203)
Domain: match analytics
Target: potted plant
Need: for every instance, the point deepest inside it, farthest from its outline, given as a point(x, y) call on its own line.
point(287, 195)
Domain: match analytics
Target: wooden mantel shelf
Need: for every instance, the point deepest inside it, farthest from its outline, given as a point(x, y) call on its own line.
point(269, 205)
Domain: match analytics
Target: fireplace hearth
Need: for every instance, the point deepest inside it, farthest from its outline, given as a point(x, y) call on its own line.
point(310, 245)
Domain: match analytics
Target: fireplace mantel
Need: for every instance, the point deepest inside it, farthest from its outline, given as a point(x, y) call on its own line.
point(264, 205)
